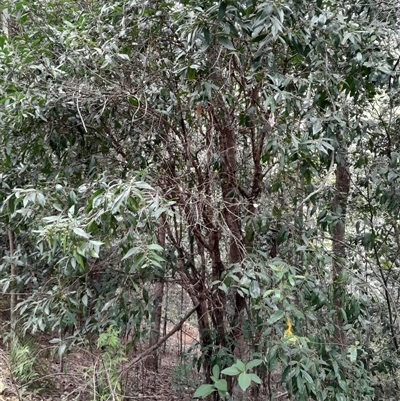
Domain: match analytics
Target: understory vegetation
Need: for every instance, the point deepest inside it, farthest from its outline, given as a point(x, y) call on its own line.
point(213, 180)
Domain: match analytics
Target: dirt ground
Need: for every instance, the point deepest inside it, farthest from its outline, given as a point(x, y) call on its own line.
point(76, 377)
point(175, 380)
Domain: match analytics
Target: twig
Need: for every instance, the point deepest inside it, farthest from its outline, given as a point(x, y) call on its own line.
point(165, 338)
point(80, 115)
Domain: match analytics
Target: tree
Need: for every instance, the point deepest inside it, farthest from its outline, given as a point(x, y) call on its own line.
point(236, 113)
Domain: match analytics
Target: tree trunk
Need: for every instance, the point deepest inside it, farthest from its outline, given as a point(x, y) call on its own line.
point(342, 189)
point(230, 194)
point(153, 361)
point(5, 21)
point(13, 294)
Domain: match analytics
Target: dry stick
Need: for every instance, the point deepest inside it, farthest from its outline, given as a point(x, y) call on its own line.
point(80, 115)
point(165, 338)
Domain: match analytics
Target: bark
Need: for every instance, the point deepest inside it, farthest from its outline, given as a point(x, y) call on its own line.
point(5, 21)
point(199, 295)
point(13, 294)
point(231, 213)
point(342, 189)
point(153, 361)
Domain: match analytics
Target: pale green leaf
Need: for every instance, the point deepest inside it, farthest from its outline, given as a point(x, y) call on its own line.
point(155, 247)
point(204, 391)
point(240, 365)
point(254, 289)
point(81, 233)
point(216, 371)
point(253, 363)
point(221, 385)
point(352, 353)
point(275, 317)
point(231, 371)
point(244, 381)
point(255, 378)
point(131, 252)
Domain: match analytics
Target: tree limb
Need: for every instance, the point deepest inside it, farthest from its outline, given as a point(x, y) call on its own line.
point(165, 338)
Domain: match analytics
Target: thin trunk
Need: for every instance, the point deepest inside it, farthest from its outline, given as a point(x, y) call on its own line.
point(152, 361)
point(342, 189)
point(229, 189)
point(199, 295)
point(13, 294)
point(165, 316)
point(13, 297)
point(5, 21)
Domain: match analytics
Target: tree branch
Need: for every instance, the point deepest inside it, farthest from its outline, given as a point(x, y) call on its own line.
point(165, 338)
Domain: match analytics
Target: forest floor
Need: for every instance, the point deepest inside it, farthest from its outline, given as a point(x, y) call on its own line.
point(44, 378)
point(176, 378)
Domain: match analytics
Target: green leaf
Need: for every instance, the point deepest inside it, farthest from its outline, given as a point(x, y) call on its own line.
point(317, 126)
point(131, 252)
point(62, 349)
point(258, 38)
point(254, 289)
point(240, 365)
point(244, 381)
point(133, 101)
point(231, 371)
point(352, 353)
point(272, 359)
point(121, 198)
point(255, 378)
point(225, 42)
point(207, 35)
point(204, 391)
point(335, 368)
point(221, 385)
point(191, 74)
point(267, 293)
point(96, 243)
point(222, 10)
point(307, 376)
point(155, 247)
point(79, 259)
point(343, 385)
point(275, 317)
point(300, 383)
point(216, 371)
point(253, 363)
point(81, 233)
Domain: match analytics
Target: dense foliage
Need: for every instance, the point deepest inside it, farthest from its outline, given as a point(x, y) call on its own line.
point(247, 150)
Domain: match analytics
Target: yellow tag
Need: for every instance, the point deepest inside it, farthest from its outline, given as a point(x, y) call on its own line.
point(289, 325)
point(288, 335)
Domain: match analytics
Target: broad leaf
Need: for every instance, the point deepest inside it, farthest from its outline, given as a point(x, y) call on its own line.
point(204, 391)
point(244, 381)
point(278, 315)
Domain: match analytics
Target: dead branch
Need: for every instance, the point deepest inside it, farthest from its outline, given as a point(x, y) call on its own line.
point(177, 327)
